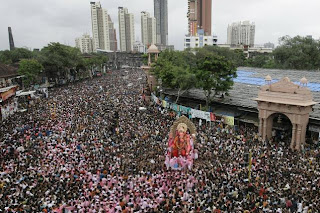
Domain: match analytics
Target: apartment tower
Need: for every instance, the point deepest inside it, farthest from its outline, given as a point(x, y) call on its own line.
point(126, 29)
point(241, 33)
point(161, 15)
point(148, 29)
point(85, 44)
point(102, 28)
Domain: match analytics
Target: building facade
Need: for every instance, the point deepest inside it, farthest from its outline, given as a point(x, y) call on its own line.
point(102, 28)
point(117, 60)
point(148, 29)
point(241, 33)
point(85, 43)
point(112, 36)
point(161, 15)
point(199, 16)
point(199, 41)
point(204, 15)
point(126, 29)
point(192, 17)
point(139, 47)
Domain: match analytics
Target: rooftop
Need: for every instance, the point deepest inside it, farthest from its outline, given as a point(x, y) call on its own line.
point(247, 84)
point(7, 71)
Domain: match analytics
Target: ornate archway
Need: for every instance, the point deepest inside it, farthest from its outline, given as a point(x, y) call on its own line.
point(287, 98)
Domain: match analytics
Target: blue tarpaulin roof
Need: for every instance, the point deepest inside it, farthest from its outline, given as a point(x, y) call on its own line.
point(245, 77)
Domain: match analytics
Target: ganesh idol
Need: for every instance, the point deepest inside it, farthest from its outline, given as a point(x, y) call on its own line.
point(181, 152)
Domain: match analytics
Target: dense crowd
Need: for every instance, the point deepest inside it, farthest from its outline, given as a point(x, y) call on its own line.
point(89, 148)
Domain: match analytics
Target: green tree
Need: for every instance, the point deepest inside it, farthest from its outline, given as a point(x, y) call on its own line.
point(236, 56)
point(301, 53)
point(95, 61)
point(261, 61)
point(14, 56)
point(175, 71)
point(183, 80)
point(214, 74)
point(57, 59)
point(30, 69)
point(145, 59)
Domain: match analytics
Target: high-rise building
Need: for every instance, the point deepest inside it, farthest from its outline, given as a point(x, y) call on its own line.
point(199, 16)
point(11, 42)
point(161, 15)
point(148, 29)
point(199, 25)
point(192, 17)
point(102, 26)
point(126, 29)
point(204, 12)
point(112, 36)
point(241, 33)
point(85, 43)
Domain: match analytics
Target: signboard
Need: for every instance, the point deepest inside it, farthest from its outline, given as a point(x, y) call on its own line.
point(212, 117)
point(7, 94)
point(184, 110)
point(200, 114)
point(175, 107)
point(164, 104)
point(229, 120)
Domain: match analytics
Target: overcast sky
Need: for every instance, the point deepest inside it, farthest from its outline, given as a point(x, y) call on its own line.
point(35, 23)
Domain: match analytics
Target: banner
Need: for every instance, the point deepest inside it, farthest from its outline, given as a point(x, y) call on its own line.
point(164, 103)
point(229, 120)
point(154, 98)
point(7, 94)
point(184, 110)
point(212, 117)
point(200, 114)
point(175, 107)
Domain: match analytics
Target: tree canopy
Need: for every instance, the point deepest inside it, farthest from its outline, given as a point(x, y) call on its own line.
point(200, 68)
point(174, 72)
point(299, 53)
point(30, 69)
point(58, 58)
point(214, 73)
point(14, 56)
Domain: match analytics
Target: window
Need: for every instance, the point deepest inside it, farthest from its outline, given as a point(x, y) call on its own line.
point(188, 40)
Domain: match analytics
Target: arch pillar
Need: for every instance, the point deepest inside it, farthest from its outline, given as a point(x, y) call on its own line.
point(149, 59)
point(293, 139)
point(298, 141)
point(264, 129)
point(260, 126)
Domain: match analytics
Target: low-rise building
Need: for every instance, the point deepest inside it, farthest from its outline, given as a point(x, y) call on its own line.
point(199, 41)
point(85, 44)
point(248, 51)
point(139, 47)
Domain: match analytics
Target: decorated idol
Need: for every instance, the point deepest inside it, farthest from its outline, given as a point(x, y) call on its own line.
point(180, 153)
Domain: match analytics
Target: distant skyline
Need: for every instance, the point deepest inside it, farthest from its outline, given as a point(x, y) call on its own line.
point(35, 23)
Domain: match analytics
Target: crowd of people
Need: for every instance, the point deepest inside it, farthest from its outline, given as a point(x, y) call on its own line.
point(90, 148)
